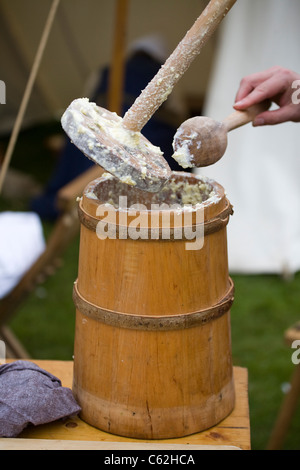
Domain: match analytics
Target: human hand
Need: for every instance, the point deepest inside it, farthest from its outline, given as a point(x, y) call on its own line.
point(281, 86)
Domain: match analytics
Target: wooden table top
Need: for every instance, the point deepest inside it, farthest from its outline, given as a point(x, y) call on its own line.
point(73, 433)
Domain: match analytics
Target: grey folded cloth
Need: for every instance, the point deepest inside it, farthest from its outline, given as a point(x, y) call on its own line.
point(31, 395)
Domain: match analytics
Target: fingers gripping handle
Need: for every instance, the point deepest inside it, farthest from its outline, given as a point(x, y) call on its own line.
point(239, 118)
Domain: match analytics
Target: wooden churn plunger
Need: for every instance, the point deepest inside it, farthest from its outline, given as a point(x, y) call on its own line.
point(117, 144)
point(152, 352)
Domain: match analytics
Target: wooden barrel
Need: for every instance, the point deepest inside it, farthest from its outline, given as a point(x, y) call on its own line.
point(152, 352)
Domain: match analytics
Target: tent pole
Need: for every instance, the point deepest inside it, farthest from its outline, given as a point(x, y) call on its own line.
point(116, 80)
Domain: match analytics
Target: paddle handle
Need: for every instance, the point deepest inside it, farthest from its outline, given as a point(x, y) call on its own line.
point(239, 118)
point(159, 88)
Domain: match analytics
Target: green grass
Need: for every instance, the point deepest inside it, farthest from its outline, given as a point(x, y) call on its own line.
point(264, 307)
point(45, 322)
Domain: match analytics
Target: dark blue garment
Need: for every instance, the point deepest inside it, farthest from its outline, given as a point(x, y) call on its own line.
point(70, 165)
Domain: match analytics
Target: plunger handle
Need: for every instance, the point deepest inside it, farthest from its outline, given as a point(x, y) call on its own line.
point(239, 118)
point(159, 88)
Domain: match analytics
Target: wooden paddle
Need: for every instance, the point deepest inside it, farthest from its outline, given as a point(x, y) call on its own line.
point(116, 144)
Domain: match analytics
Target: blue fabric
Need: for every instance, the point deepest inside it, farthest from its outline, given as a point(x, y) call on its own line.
point(30, 395)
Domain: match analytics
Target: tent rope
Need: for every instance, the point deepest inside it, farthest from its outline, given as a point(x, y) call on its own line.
point(27, 92)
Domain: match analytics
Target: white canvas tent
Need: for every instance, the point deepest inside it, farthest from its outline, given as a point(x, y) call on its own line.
point(261, 167)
